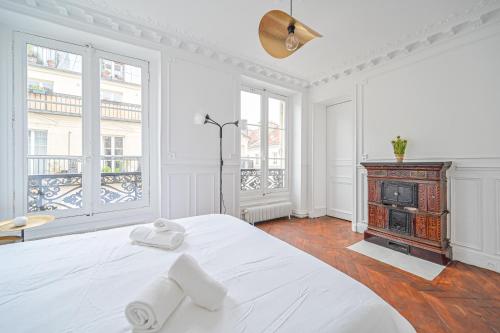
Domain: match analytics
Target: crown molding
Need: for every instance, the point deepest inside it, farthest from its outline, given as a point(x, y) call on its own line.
point(105, 16)
point(148, 30)
point(427, 41)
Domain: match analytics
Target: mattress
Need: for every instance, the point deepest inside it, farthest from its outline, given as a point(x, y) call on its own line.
point(82, 283)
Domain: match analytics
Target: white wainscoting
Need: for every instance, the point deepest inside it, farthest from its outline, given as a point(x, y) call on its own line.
point(194, 190)
point(474, 218)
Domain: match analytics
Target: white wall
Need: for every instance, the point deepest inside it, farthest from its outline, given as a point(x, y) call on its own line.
point(446, 101)
point(190, 153)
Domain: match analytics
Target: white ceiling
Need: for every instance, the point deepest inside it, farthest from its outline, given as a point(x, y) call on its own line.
point(353, 30)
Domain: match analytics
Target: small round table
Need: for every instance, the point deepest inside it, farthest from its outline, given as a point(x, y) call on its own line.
point(33, 221)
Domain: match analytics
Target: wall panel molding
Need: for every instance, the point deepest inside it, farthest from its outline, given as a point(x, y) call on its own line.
point(467, 213)
point(194, 190)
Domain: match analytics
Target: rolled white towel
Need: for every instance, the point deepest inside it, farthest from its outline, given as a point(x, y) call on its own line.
point(154, 304)
point(162, 224)
point(169, 240)
point(196, 283)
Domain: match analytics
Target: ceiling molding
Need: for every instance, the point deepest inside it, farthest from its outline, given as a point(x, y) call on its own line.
point(160, 34)
point(409, 47)
point(100, 14)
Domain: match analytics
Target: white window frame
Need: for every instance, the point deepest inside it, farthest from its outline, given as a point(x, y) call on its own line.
point(265, 192)
point(145, 171)
point(91, 148)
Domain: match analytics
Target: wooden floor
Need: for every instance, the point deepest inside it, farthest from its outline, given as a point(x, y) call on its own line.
point(462, 298)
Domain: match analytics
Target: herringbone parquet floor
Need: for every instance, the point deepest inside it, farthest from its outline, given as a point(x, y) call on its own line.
point(463, 298)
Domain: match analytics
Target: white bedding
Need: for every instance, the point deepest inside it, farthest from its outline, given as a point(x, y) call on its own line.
point(82, 283)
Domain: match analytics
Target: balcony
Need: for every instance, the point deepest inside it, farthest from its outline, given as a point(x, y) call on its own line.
point(251, 179)
point(55, 182)
point(71, 105)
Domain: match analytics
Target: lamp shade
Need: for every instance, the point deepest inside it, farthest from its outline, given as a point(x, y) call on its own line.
point(199, 119)
point(243, 123)
point(274, 30)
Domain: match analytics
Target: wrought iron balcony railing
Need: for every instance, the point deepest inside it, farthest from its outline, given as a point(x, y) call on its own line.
point(251, 179)
point(54, 164)
point(72, 105)
point(56, 182)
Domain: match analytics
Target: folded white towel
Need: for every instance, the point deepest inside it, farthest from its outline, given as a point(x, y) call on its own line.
point(162, 224)
point(196, 283)
point(169, 240)
point(153, 305)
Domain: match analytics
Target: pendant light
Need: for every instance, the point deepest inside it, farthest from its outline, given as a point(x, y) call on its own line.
point(281, 34)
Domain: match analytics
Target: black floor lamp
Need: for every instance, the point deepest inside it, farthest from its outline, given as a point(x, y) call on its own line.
point(199, 119)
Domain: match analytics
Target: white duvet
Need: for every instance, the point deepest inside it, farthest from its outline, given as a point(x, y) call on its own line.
point(82, 283)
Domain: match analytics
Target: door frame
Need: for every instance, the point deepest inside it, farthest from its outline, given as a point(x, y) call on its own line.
point(318, 179)
point(353, 175)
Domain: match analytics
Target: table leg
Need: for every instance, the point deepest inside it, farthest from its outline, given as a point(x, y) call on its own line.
point(22, 235)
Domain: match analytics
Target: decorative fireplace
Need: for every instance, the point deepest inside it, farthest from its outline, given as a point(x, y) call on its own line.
point(407, 208)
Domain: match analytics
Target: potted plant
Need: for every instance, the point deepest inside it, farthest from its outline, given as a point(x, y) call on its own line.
point(399, 146)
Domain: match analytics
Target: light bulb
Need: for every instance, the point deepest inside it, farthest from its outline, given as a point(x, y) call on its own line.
point(291, 42)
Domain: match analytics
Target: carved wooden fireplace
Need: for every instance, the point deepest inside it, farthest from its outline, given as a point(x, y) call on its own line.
point(407, 208)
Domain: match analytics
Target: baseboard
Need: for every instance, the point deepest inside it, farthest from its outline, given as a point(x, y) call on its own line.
point(476, 258)
point(317, 212)
point(300, 213)
point(341, 214)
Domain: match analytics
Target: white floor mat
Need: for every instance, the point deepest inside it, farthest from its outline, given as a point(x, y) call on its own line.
point(423, 268)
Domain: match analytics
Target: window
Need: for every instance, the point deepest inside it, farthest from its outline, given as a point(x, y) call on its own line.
point(67, 101)
point(112, 148)
point(263, 142)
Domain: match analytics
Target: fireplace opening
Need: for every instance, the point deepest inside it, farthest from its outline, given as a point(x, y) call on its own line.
point(399, 221)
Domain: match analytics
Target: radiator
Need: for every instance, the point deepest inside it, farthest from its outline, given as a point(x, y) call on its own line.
point(266, 212)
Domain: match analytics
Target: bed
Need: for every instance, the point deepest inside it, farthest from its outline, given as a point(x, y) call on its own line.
point(82, 283)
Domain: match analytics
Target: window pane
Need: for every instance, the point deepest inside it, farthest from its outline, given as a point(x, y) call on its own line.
point(121, 128)
point(276, 143)
point(276, 176)
point(250, 108)
point(276, 113)
point(250, 158)
point(54, 121)
point(276, 140)
point(250, 141)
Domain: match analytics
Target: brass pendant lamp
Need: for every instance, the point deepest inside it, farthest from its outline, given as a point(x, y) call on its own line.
point(281, 34)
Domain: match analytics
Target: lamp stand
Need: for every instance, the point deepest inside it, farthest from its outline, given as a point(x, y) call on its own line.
point(209, 120)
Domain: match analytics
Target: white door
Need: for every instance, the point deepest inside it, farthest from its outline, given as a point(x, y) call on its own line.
point(339, 170)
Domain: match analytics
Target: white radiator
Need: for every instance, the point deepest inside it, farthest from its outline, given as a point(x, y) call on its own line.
point(266, 212)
